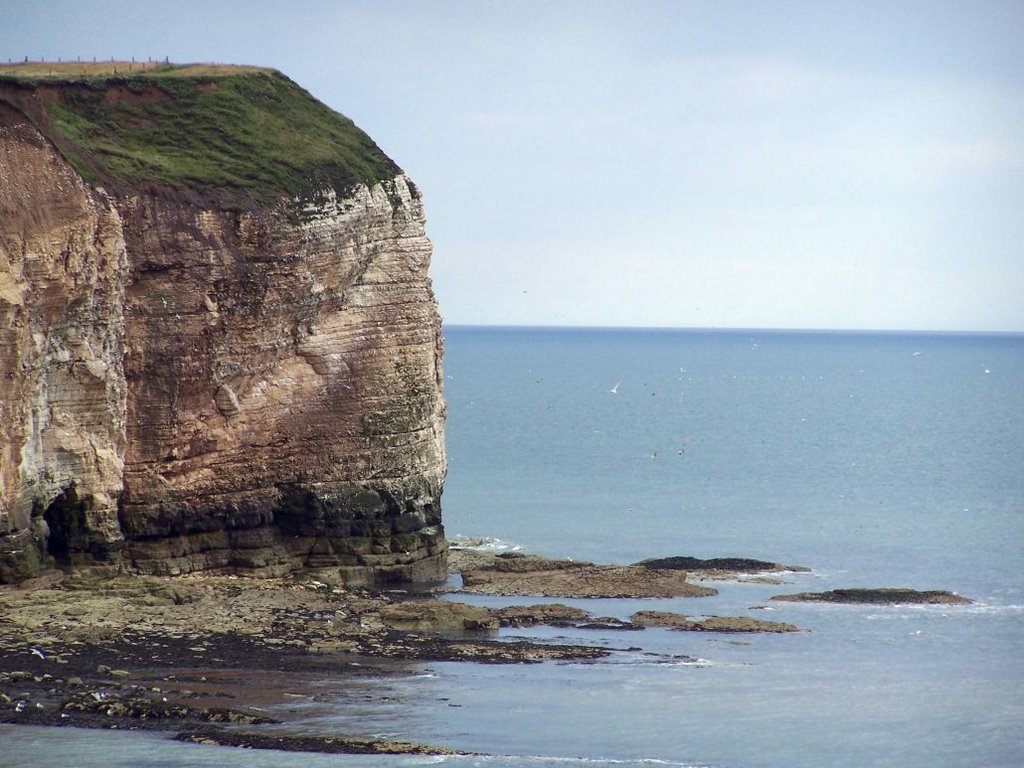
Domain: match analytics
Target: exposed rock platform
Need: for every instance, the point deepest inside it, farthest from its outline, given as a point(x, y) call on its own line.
point(518, 574)
point(102, 650)
point(95, 648)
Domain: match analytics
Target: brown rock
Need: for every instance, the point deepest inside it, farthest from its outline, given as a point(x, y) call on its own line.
point(660, 619)
point(437, 616)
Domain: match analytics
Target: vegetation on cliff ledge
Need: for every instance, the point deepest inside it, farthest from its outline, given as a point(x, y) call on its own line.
point(237, 133)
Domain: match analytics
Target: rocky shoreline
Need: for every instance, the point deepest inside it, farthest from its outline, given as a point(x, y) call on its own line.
point(100, 649)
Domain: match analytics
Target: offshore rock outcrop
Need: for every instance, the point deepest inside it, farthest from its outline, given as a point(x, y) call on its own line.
point(513, 573)
point(878, 596)
point(200, 375)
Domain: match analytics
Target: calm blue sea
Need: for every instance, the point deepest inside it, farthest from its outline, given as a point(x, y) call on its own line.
point(874, 459)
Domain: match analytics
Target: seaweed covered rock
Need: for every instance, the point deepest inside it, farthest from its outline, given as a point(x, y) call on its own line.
point(717, 565)
point(879, 596)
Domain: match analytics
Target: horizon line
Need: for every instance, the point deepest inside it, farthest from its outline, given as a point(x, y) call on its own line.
point(728, 329)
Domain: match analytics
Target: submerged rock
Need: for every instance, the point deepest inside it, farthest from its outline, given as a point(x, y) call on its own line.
point(879, 596)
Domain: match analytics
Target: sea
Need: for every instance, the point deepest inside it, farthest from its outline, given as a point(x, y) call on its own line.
point(872, 459)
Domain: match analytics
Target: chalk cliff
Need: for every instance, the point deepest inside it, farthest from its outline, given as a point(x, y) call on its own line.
point(219, 347)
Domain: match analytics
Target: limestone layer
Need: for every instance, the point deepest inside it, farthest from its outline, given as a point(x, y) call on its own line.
point(185, 387)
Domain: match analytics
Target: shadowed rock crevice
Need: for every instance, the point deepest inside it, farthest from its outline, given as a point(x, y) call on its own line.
point(66, 526)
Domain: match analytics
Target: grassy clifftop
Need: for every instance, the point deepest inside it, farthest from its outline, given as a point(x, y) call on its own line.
point(236, 133)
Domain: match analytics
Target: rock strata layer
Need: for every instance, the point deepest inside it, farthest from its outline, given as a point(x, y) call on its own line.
point(212, 377)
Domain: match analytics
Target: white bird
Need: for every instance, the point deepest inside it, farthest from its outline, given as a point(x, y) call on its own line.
point(615, 390)
point(38, 653)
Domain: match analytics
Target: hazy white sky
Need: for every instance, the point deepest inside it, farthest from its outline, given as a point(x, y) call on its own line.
point(813, 164)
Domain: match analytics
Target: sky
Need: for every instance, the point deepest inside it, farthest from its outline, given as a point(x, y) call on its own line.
point(714, 164)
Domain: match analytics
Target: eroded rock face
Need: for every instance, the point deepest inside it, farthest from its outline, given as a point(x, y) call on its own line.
point(185, 388)
point(63, 271)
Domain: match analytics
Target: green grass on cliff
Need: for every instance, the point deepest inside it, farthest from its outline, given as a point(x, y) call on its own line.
point(234, 132)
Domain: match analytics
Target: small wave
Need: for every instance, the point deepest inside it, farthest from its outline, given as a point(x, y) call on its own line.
point(992, 608)
point(542, 760)
point(903, 612)
point(482, 544)
point(648, 659)
point(697, 663)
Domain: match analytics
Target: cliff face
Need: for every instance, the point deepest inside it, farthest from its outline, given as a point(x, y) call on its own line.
point(199, 376)
point(63, 270)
